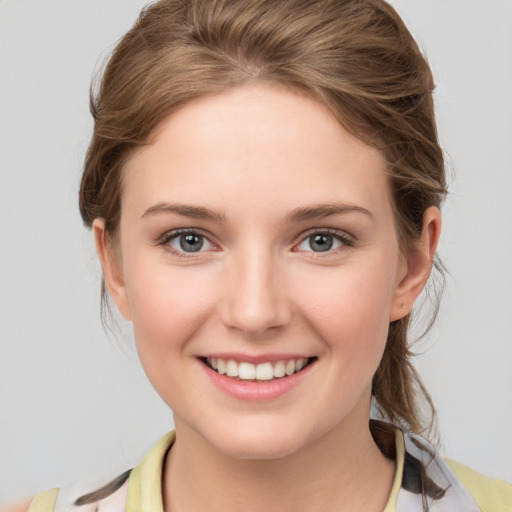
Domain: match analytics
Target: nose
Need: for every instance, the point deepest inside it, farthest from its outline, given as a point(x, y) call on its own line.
point(254, 298)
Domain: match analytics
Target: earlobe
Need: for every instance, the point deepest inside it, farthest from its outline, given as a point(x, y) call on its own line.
point(418, 265)
point(112, 268)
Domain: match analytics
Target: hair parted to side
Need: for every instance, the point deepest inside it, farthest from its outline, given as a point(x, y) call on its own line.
point(355, 56)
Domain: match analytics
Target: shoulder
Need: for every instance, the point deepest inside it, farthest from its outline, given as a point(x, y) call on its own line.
point(111, 496)
point(19, 506)
point(444, 484)
point(42, 502)
point(492, 495)
point(135, 489)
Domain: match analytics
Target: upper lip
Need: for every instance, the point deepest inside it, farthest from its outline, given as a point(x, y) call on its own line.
point(255, 359)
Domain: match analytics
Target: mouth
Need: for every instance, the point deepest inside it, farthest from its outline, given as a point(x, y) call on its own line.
point(261, 372)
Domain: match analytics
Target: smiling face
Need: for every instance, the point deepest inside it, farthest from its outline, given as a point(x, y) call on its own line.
point(257, 237)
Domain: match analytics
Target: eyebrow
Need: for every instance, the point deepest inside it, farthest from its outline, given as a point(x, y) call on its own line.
point(324, 210)
point(296, 215)
point(194, 212)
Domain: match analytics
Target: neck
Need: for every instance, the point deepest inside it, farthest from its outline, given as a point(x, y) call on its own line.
point(340, 471)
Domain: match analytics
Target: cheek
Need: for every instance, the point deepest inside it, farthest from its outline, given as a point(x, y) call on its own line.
point(168, 306)
point(349, 307)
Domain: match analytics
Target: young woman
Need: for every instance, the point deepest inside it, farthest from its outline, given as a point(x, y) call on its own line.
point(263, 184)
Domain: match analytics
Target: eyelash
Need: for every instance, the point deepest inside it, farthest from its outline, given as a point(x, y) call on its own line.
point(168, 237)
point(346, 240)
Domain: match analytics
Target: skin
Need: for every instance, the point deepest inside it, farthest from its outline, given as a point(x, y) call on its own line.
point(19, 506)
point(254, 155)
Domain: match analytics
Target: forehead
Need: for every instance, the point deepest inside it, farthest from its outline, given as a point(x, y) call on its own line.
point(255, 145)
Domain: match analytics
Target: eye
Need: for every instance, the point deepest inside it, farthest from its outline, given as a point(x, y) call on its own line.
point(186, 241)
point(324, 241)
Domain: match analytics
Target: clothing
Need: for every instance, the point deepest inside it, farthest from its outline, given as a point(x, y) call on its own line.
point(423, 481)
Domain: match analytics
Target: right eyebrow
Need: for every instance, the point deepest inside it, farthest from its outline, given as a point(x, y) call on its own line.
point(193, 212)
point(324, 210)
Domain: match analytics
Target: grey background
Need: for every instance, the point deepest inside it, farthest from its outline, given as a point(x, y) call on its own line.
point(75, 404)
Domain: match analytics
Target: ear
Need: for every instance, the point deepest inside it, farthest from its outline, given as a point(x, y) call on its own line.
point(418, 265)
point(112, 268)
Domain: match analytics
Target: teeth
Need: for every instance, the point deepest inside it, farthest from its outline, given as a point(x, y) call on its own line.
point(290, 368)
point(231, 368)
point(247, 371)
point(279, 369)
point(262, 371)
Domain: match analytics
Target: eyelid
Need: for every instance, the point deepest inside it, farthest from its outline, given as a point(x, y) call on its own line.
point(346, 239)
point(166, 238)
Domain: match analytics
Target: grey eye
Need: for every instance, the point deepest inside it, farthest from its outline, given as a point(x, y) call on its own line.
point(189, 242)
point(321, 242)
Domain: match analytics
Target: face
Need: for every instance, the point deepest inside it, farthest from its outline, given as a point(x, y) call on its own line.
point(257, 237)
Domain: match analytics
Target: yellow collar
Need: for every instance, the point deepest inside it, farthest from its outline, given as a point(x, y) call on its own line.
point(145, 484)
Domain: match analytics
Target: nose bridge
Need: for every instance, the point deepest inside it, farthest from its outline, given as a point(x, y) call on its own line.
point(255, 298)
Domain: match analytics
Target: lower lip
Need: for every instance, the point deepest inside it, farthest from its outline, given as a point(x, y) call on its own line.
point(257, 391)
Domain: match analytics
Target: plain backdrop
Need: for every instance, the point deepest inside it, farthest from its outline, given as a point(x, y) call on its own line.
point(76, 404)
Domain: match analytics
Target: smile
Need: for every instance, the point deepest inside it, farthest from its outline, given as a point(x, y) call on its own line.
point(267, 371)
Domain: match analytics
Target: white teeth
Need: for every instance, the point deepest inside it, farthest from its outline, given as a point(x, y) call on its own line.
point(262, 371)
point(290, 368)
point(231, 368)
point(247, 371)
point(279, 369)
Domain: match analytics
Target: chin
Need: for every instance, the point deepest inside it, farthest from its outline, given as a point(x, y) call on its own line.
point(259, 449)
point(257, 441)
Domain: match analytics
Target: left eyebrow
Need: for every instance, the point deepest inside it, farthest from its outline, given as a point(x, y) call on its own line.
point(324, 210)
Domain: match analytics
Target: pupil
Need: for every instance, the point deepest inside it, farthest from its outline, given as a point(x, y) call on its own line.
point(321, 243)
point(191, 243)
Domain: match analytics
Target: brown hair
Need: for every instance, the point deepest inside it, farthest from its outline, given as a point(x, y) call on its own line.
point(355, 56)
